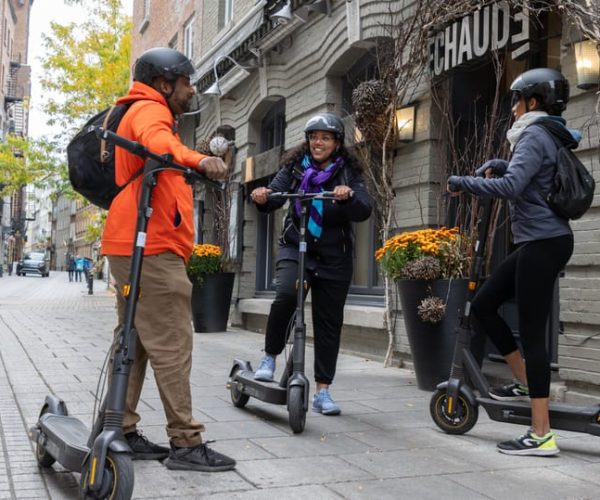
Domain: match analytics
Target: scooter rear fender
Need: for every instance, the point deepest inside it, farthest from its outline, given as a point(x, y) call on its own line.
point(240, 365)
point(55, 405)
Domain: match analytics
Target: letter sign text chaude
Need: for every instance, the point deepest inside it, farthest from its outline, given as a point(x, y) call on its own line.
point(491, 28)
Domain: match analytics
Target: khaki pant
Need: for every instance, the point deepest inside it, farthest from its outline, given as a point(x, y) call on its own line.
point(165, 338)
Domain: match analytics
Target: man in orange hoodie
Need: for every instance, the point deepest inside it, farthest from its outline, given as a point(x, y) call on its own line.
point(161, 91)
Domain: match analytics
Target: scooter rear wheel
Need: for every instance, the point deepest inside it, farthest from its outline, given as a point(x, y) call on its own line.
point(44, 459)
point(238, 398)
point(464, 419)
point(117, 482)
point(297, 413)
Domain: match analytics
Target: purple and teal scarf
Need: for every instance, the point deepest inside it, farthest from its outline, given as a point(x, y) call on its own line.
point(311, 182)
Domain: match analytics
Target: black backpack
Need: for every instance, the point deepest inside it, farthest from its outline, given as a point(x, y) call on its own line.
point(91, 160)
point(573, 189)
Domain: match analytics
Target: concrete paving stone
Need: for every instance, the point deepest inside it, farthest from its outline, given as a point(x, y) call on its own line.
point(319, 424)
point(402, 439)
point(154, 480)
point(312, 444)
point(241, 449)
point(589, 473)
point(396, 419)
point(541, 483)
point(242, 429)
point(227, 414)
point(31, 494)
point(430, 488)
point(410, 463)
point(583, 447)
point(390, 404)
point(289, 493)
point(202, 402)
point(300, 471)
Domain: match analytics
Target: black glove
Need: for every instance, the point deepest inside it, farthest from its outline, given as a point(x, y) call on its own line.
point(498, 168)
point(454, 183)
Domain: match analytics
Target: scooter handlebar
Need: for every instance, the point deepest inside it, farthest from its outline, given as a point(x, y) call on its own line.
point(137, 149)
point(301, 195)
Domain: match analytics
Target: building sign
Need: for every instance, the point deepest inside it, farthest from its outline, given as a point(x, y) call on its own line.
point(488, 29)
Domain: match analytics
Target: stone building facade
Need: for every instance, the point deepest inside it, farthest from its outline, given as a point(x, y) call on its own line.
point(274, 76)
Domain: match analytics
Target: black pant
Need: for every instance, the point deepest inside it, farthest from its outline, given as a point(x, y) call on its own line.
point(528, 274)
point(328, 299)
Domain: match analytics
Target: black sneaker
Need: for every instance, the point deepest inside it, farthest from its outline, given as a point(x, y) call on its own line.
point(200, 458)
point(531, 444)
point(143, 449)
point(510, 392)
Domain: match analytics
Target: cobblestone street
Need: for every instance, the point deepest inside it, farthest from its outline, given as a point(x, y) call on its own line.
point(53, 339)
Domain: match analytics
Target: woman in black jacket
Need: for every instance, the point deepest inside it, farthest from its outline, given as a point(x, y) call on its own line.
point(321, 163)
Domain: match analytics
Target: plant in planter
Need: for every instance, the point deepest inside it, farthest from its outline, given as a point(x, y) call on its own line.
point(426, 254)
point(212, 288)
point(428, 266)
point(205, 259)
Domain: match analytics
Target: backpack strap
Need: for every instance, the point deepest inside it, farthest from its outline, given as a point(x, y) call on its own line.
point(550, 131)
point(103, 152)
point(130, 104)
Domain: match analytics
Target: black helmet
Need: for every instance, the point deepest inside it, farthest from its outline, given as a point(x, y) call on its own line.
point(328, 122)
point(547, 85)
point(161, 61)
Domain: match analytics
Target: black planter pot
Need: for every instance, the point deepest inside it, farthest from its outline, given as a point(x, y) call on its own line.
point(211, 302)
point(431, 345)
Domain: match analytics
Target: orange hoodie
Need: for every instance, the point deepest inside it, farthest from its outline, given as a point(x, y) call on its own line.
point(171, 227)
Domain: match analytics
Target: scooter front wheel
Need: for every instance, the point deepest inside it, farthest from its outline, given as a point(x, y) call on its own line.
point(464, 418)
point(117, 482)
point(297, 413)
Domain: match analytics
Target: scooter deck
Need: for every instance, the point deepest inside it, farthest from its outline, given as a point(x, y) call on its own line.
point(563, 416)
point(65, 438)
point(270, 392)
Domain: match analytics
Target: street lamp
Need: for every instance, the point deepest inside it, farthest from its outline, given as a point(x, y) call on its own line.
point(587, 64)
point(228, 81)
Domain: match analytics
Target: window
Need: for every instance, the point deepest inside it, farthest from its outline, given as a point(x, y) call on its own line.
point(272, 136)
point(225, 13)
point(145, 16)
point(188, 39)
point(366, 279)
point(272, 127)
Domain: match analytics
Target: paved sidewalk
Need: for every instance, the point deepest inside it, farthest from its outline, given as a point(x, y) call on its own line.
point(53, 338)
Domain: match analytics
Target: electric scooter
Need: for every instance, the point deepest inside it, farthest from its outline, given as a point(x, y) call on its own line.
point(454, 406)
point(293, 388)
point(102, 455)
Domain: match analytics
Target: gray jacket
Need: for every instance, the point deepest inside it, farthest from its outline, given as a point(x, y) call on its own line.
point(529, 174)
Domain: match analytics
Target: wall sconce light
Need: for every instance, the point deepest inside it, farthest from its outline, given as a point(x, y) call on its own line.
point(587, 64)
point(229, 80)
point(320, 6)
point(284, 14)
point(405, 123)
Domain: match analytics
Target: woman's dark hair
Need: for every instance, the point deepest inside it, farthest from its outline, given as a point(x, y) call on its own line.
point(294, 156)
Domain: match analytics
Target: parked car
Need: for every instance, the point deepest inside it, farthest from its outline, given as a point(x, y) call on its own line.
point(35, 263)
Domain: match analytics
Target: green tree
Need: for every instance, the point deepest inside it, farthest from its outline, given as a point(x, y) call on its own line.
point(86, 65)
point(34, 162)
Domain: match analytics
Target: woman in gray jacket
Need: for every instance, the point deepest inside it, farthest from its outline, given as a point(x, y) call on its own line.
point(544, 245)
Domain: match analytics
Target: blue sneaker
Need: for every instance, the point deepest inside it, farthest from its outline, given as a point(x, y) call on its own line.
point(266, 369)
point(323, 403)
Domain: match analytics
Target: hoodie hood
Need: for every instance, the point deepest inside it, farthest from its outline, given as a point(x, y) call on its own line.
point(140, 91)
point(570, 137)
